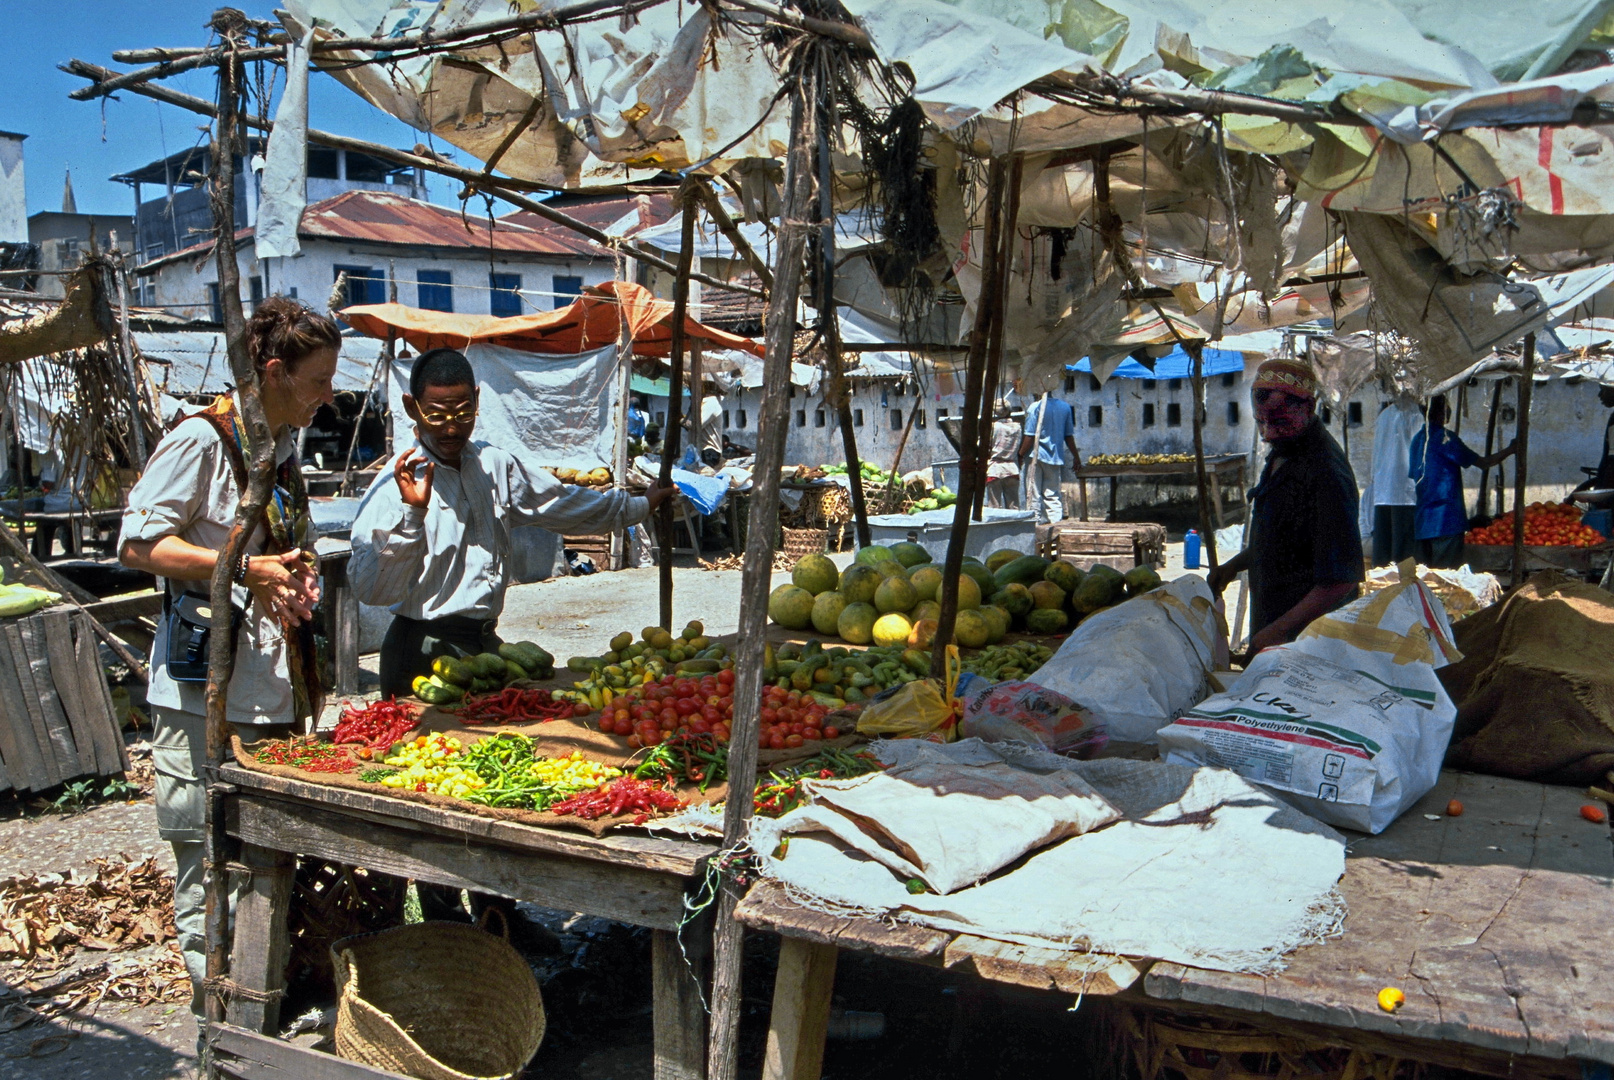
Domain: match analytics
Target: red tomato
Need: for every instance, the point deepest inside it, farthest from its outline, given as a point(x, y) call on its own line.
point(768, 716)
point(726, 676)
point(624, 728)
point(797, 729)
point(776, 742)
point(793, 741)
point(652, 738)
point(581, 710)
point(711, 714)
point(812, 734)
point(832, 732)
point(686, 706)
point(635, 741)
point(726, 701)
point(721, 731)
point(667, 716)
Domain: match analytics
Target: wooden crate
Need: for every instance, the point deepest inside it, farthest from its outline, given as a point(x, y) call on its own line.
point(1118, 544)
point(57, 720)
point(1498, 558)
point(597, 548)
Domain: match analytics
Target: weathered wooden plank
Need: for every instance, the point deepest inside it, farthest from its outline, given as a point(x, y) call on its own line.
point(262, 946)
point(22, 704)
point(800, 1015)
point(70, 759)
point(1485, 921)
point(109, 745)
point(680, 1015)
point(1041, 968)
point(248, 1056)
point(679, 857)
point(614, 890)
point(142, 605)
point(65, 677)
point(766, 907)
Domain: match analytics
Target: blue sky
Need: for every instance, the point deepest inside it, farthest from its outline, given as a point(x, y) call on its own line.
point(132, 130)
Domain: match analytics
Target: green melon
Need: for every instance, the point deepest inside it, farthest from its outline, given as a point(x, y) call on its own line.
point(856, 623)
point(896, 593)
point(816, 574)
point(1001, 558)
point(791, 606)
point(858, 583)
point(927, 582)
point(891, 629)
point(890, 568)
point(971, 630)
point(969, 593)
point(910, 554)
point(997, 622)
point(1140, 579)
point(925, 609)
point(1025, 570)
point(827, 608)
point(873, 555)
point(983, 578)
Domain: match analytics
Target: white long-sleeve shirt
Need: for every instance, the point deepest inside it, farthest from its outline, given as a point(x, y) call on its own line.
point(1388, 484)
point(452, 557)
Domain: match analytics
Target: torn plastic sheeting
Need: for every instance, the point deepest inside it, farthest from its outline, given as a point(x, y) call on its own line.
point(852, 232)
point(284, 186)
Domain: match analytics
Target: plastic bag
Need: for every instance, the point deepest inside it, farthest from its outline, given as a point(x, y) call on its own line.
point(1017, 711)
point(922, 709)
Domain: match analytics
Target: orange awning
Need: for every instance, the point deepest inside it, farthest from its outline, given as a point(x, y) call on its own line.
point(592, 321)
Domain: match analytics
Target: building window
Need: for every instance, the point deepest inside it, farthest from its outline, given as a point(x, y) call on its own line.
point(896, 419)
point(792, 390)
point(1230, 379)
point(1174, 384)
point(1148, 414)
point(565, 288)
point(1150, 384)
point(1093, 384)
point(801, 417)
point(1173, 415)
point(1095, 416)
point(436, 290)
point(1353, 414)
point(919, 418)
point(505, 299)
point(213, 302)
point(365, 285)
point(818, 418)
point(661, 419)
point(291, 293)
point(1232, 414)
point(255, 291)
point(742, 418)
point(857, 417)
point(725, 418)
point(1070, 384)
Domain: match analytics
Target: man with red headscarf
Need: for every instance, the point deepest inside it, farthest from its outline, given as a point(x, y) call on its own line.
point(1302, 547)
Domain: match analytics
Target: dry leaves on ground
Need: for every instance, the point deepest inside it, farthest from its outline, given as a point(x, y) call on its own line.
point(117, 906)
point(781, 561)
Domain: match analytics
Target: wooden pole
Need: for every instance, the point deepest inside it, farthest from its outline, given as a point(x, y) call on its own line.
point(994, 354)
point(384, 361)
point(1490, 444)
point(260, 474)
point(725, 225)
point(620, 456)
point(829, 329)
point(795, 221)
point(1196, 350)
point(671, 443)
point(137, 388)
point(970, 444)
point(1522, 461)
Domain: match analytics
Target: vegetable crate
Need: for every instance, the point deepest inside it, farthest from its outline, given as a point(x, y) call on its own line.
point(1120, 545)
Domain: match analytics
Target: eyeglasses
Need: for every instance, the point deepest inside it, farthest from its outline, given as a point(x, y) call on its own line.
point(442, 419)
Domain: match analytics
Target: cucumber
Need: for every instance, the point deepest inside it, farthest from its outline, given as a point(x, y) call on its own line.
point(449, 670)
point(827, 700)
point(697, 666)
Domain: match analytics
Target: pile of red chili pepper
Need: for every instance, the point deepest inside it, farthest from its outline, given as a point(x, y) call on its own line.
point(376, 726)
point(619, 797)
point(307, 754)
point(512, 705)
point(782, 792)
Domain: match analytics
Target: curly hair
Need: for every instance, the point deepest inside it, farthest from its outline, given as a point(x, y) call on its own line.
point(284, 328)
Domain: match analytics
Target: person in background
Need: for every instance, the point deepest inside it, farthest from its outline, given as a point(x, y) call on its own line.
point(706, 434)
point(638, 417)
point(1390, 501)
point(1302, 549)
point(1438, 460)
point(1051, 428)
point(180, 514)
point(1003, 466)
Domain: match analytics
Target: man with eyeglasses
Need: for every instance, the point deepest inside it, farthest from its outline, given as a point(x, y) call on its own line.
point(1302, 546)
point(431, 539)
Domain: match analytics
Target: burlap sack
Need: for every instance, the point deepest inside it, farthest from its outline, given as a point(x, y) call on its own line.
point(1535, 690)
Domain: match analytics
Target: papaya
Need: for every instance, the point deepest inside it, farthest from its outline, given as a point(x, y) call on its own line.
point(1001, 558)
point(874, 555)
point(1064, 574)
point(1047, 621)
point(1015, 599)
point(982, 578)
point(1026, 570)
point(1096, 590)
point(1140, 579)
point(1045, 594)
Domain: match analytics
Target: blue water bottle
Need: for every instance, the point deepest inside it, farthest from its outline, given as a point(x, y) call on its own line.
point(1190, 550)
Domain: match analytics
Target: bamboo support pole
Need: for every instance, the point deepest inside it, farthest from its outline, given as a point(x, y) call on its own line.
point(1522, 461)
point(795, 221)
point(671, 442)
point(829, 329)
point(1207, 531)
point(994, 354)
point(986, 313)
point(260, 473)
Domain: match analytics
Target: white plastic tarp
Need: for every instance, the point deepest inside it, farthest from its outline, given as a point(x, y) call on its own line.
point(285, 173)
point(548, 410)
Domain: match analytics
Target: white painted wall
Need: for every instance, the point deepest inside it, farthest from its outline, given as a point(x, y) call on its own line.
point(13, 196)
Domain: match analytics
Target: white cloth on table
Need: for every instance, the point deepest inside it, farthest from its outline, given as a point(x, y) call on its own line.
point(452, 558)
point(188, 490)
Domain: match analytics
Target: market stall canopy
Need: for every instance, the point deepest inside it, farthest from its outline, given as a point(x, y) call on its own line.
point(1175, 365)
point(595, 319)
point(186, 363)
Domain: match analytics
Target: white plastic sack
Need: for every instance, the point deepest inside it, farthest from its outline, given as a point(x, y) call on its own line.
point(1350, 723)
point(952, 824)
point(1137, 666)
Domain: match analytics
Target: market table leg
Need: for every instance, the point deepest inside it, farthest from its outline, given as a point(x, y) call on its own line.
point(262, 946)
point(1115, 483)
point(1084, 498)
point(1216, 498)
point(800, 1016)
point(680, 1015)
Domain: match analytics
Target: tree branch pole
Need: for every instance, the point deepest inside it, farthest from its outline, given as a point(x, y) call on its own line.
point(1490, 445)
point(506, 188)
point(731, 232)
point(829, 328)
point(137, 396)
point(1522, 461)
point(1196, 351)
point(260, 474)
point(773, 427)
point(384, 361)
point(994, 349)
point(671, 443)
point(974, 379)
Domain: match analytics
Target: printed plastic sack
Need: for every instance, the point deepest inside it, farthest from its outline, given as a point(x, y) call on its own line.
point(1349, 723)
point(1016, 711)
point(917, 710)
point(1129, 669)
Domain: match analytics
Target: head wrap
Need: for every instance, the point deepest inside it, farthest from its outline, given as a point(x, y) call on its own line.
point(1291, 376)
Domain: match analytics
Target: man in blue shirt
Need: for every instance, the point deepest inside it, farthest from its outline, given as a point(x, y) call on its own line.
point(1051, 425)
point(1438, 460)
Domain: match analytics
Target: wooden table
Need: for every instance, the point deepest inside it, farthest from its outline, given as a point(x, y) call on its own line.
point(634, 879)
point(1588, 563)
point(46, 523)
point(1220, 469)
point(1495, 924)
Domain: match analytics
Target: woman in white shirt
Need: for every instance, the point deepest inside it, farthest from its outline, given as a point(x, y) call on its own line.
point(179, 517)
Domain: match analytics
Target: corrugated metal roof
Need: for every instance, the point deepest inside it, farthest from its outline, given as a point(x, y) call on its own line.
point(186, 362)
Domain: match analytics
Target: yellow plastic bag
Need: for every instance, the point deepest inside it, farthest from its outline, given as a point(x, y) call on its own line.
point(917, 710)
